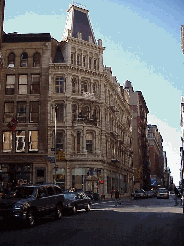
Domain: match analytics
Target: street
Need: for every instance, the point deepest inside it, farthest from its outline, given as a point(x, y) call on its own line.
point(133, 222)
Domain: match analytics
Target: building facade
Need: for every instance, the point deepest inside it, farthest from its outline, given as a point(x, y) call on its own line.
point(93, 133)
point(156, 156)
point(66, 119)
point(141, 162)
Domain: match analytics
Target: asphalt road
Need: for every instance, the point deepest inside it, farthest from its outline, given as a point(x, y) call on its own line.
point(154, 222)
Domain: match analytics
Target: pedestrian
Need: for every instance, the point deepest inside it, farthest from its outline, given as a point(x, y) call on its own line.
point(117, 197)
point(111, 192)
point(176, 195)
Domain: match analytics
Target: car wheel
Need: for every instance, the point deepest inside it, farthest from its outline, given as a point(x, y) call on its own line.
point(31, 221)
point(74, 209)
point(88, 207)
point(58, 212)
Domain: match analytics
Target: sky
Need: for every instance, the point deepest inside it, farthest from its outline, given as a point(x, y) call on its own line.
point(143, 45)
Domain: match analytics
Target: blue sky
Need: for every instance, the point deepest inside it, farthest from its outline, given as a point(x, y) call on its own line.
point(143, 45)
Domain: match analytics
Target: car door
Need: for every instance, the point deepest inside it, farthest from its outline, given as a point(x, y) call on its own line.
point(42, 201)
point(51, 198)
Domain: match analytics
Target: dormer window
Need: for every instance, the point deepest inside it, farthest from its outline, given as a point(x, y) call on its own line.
point(84, 61)
point(79, 60)
point(24, 59)
point(11, 60)
point(95, 64)
point(90, 62)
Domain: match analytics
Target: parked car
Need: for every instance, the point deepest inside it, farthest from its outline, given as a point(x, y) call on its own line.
point(163, 193)
point(30, 202)
point(90, 194)
point(150, 194)
point(139, 194)
point(74, 201)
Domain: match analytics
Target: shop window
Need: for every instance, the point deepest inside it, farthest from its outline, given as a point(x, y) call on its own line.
point(21, 112)
point(59, 86)
point(84, 86)
point(60, 139)
point(36, 60)
point(8, 111)
point(22, 84)
point(23, 60)
point(11, 60)
point(78, 141)
point(60, 112)
point(7, 141)
point(89, 142)
point(20, 141)
point(35, 84)
point(10, 85)
point(33, 141)
point(34, 112)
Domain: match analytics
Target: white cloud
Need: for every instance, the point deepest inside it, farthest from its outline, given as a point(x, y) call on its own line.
point(171, 144)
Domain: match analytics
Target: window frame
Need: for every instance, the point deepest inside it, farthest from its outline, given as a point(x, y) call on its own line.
point(21, 84)
point(24, 142)
point(10, 86)
point(35, 84)
point(31, 111)
point(19, 111)
point(11, 113)
point(24, 60)
point(36, 59)
point(11, 62)
point(61, 84)
point(9, 142)
point(31, 142)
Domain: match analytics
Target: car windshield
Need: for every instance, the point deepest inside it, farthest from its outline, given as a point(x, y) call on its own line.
point(162, 191)
point(21, 192)
point(70, 196)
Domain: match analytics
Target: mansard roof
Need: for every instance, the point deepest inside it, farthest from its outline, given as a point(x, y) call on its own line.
point(29, 37)
point(78, 22)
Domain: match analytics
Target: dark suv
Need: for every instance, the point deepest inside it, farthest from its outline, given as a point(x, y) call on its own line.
point(30, 202)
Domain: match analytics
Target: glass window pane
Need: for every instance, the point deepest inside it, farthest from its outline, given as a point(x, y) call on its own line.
point(20, 141)
point(7, 141)
point(33, 140)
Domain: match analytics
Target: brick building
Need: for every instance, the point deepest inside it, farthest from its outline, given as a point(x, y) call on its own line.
point(141, 162)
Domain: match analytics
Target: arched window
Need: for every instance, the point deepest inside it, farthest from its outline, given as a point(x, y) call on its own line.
point(74, 84)
point(78, 141)
point(94, 88)
point(84, 86)
point(11, 60)
point(89, 142)
point(85, 112)
point(36, 59)
point(74, 112)
point(23, 60)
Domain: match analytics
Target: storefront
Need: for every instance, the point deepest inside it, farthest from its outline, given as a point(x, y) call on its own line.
point(16, 174)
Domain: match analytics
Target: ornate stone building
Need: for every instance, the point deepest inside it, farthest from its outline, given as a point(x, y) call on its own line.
point(93, 136)
point(61, 97)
